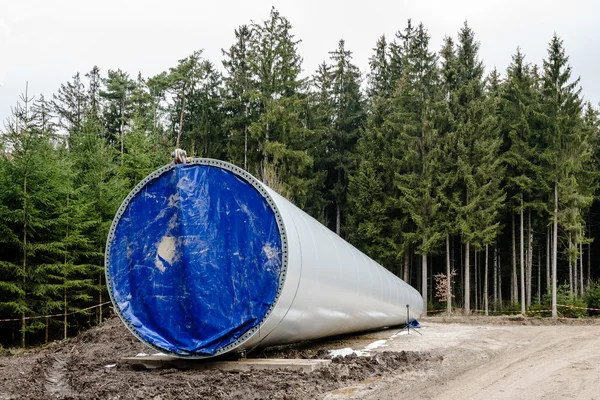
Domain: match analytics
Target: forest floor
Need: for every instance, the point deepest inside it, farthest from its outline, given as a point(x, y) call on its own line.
point(452, 357)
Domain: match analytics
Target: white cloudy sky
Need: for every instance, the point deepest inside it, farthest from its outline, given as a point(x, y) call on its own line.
point(45, 42)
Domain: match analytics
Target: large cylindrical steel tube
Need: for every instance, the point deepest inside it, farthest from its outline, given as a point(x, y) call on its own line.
point(203, 259)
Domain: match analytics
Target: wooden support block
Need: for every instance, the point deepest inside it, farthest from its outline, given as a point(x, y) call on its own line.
point(244, 365)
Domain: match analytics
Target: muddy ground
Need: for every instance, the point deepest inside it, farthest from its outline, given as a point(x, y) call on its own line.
point(432, 364)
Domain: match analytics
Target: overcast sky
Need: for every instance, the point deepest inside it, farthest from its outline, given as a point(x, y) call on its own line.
point(46, 42)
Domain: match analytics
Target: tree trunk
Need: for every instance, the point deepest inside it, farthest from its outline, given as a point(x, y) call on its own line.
point(548, 285)
point(476, 279)
point(65, 312)
point(121, 133)
point(554, 244)
point(154, 120)
point(499, 282)
point(467, 283)
point(47, 330)
point(410, 266)
point(581, 268)
point(589, 265)
point(539, 277)
point(181, 116)
point(245, 148)
point(522, 248)
point(495, 308)
point(23, 321)
point(485, 282)
point(424, 281)
point(529, 259)
point(406, 266)
point(448, 277)
point(265, 155)
point(100, 298)
point(514, 294)
point(338, 219)
point(571, 289)
point(65, 273)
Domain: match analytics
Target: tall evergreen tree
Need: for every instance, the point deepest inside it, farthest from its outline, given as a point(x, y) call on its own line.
point(33, 180)
point(379, 76)
point(477, 146)
point(561, 109)
point(118, 108)
point(347, 119)
point(182, 81)
point(518, 110)
point(240, 97)
point(70, 104)
point(281, 128)
point(416, 147)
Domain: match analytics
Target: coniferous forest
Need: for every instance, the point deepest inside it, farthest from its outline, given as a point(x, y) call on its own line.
point(479, 189)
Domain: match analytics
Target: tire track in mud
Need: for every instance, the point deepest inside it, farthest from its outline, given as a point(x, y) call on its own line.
point(56, 383)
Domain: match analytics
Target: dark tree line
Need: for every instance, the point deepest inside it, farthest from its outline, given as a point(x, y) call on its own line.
point(478, 189)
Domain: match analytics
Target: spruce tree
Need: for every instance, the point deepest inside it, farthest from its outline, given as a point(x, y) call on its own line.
point(33, 180)
point(374, 222)
point(157, 88)
point(69, 104)
point(561, 139)
point(417, 147)
point(477, 146)
point(240, 94)
point(117, 110)
point(281, 127)
point(378, 78)
point(347, 119)
point(518, 108)
point(321, 117)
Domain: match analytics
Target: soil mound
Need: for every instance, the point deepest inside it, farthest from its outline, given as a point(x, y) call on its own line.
point(89, 367)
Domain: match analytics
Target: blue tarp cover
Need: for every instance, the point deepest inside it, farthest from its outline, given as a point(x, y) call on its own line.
point(195, 260)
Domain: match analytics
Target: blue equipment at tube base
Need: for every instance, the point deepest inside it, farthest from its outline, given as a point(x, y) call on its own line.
point(203, 259)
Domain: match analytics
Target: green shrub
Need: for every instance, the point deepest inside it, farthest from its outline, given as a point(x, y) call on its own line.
point(538, 310)
point(433, 306)
point(512, 308)
point(592, 297)
point(564, 297)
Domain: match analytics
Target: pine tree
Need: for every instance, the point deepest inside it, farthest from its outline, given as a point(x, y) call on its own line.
point(70, 104)
point(33, 179)
point(240, 98)
point(379, 76)
point(347, 119)
point(93, 99)
point(281, 129)
point(321, 117)
point(477, 146)
point(157, 88)
point(100, 188)
point(524, 178)
point(417, 147)
point(182, 81)
point(447, 176)
point(117, 111)
point(563, 144)
point(204, 133)
point(373, 224)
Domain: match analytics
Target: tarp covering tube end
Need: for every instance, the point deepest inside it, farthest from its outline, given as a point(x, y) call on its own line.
point(195, 259)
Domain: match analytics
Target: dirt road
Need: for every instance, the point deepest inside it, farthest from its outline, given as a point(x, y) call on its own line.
point(503, 362)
